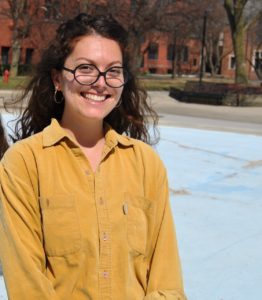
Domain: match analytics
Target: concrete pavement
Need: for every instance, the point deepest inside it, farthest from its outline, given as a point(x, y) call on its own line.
point(246, 120)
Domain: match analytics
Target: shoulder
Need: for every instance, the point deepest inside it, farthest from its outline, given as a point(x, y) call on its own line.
point(145, 149)
point(140, 150)
point(23, 150)
point(148, 156)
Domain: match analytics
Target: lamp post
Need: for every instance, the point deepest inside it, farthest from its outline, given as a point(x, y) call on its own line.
point(202, 64)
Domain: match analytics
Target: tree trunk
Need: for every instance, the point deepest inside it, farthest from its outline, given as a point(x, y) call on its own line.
point(235, 14)
point(15, 57)
point(240, 54)
point(134, 47)
point(209, 53)
point(174, 57)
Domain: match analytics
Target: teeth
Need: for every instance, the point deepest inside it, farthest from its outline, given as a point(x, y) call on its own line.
point(94, 97)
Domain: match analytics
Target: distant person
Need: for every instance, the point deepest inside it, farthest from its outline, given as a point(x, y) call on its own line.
point(6, 75)
point(3, 141)
point(85, 211)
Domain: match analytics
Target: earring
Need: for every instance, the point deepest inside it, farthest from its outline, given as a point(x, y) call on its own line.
point(58, 101)
point(119, 103)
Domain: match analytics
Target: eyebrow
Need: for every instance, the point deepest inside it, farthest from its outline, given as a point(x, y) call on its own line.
point(93, 63)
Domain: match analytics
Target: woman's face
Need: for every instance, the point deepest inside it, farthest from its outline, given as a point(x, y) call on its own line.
point(93, 101)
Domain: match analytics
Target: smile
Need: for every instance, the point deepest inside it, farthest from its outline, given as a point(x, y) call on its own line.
point(93, 97)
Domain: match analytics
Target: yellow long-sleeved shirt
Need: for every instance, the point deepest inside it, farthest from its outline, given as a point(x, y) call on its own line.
point(67, 233)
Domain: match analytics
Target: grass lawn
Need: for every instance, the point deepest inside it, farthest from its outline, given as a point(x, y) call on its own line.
point(163, 84)
point(151, 83)
point(16, 82)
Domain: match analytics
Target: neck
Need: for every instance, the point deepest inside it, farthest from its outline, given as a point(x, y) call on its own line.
point(88, 134)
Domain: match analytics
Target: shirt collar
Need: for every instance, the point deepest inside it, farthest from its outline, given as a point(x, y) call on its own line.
point(113, 138)
point(54, 133)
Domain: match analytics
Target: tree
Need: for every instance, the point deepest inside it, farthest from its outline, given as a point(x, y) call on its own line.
point(20, 12)
point(186, 23)
point(27, 19)
point(177, 26)
point(216, 22)
point(241, 15)
point(140, 18)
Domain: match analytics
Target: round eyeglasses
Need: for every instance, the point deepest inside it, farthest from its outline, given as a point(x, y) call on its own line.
point(88, 74)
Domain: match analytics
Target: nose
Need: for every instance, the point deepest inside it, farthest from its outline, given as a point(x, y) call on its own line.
point(101, 81)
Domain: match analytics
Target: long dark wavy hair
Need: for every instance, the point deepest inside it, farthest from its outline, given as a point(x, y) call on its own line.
point(3, 142)
point(132, 117)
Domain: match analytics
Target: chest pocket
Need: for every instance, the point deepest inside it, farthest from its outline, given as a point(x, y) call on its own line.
point(139, 216)
point(61, 227)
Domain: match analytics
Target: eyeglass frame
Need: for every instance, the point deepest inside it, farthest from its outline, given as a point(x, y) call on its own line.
point(73, 71)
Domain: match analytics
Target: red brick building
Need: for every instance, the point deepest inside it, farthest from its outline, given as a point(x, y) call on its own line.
point(158, 58)
point(253, 56)
point(45, 19)
point(27, 49)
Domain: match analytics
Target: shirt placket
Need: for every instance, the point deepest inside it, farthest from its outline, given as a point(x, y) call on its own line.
point(104, 227)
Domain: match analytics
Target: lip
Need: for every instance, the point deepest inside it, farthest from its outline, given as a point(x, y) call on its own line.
point(96, 98)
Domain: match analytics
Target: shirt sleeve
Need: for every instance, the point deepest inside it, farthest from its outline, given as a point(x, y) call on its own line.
point(164, 277)
point(21, 248)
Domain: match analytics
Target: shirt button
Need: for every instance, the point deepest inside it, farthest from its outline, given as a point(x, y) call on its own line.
point(105, 274)
point(105, 236)
point(87, 172)
point(101, 201)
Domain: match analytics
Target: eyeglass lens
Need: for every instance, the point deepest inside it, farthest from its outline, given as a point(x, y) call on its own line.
point(88, 74)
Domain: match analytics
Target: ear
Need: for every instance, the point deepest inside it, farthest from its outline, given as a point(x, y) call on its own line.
point(56, 77)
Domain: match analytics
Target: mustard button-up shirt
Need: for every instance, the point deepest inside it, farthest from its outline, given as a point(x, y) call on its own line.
point(68, 233)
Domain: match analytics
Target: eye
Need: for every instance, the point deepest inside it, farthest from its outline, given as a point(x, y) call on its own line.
point(86, 69)
point(115, 71)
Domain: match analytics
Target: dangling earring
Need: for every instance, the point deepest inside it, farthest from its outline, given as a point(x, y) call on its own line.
point(58, 101)
point(119, 103)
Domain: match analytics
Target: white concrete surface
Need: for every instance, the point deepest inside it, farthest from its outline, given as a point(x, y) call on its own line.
point(216, 196)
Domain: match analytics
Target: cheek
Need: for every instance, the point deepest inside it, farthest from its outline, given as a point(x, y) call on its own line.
point(70, 86)
point(119, 93)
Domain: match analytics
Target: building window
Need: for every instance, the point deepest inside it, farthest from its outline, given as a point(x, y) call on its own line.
point(5, 55)
point(153, 51)
point(52, 9)
point(28, 56)
point(232, 62)
point(170, 52)
point(142, 62)
point(184, 54)
point(258, 61)
point(221, 39)
point(152, 70)
point(194, 62)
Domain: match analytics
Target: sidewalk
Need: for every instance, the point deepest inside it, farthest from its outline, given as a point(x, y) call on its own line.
point(166, 105)
point(215, 188)
point(215, 194)
point(246, 120)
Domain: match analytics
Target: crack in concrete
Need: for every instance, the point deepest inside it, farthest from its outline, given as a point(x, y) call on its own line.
point(233, 244)
point(204, 150)
point(181, 192)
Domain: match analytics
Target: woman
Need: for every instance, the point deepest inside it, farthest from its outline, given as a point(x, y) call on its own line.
point(84, 210)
